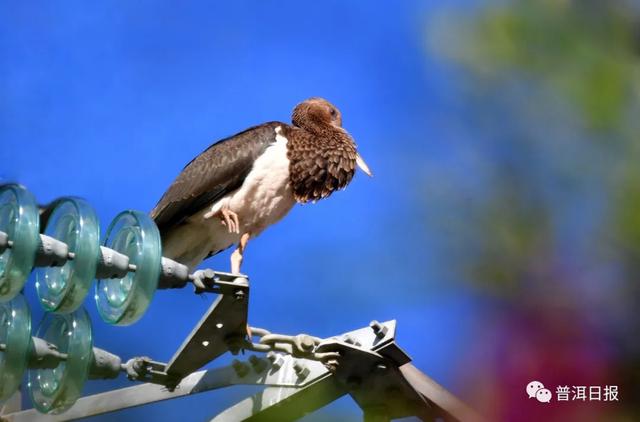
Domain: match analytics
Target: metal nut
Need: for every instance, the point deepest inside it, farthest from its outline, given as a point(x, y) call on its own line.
point(241, 368)
point(350, 340)
point(332, 365)
point(306, 343)
point(276, 360)
point(379, 329)
point(301, 370)
point(257, 363)
point(239, 295)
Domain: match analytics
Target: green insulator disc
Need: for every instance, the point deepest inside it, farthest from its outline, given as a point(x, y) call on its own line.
point(54, 390)
point(15, 337)
point(62, 289)
point(19, 221)
point(122, 301)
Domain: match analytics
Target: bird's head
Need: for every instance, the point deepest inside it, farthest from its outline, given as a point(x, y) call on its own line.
point(315, 113)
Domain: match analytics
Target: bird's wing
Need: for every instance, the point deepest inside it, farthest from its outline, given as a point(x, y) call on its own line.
point(218, 170)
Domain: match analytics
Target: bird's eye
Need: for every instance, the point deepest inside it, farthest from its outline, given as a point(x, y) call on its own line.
point(333, 112)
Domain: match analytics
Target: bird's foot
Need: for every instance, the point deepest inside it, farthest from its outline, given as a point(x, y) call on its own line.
point(228, 218)
point(237, 255)
point(236, 262)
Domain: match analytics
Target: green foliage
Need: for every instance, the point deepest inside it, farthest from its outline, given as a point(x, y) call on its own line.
point(585, 51)
point(513, 230)
point(627, 215)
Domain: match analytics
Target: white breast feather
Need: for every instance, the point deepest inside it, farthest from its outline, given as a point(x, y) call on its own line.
point(263, 199)
point(265, 196)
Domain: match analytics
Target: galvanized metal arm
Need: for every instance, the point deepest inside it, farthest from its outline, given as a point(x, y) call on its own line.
point(367, 364)
point(300, 373)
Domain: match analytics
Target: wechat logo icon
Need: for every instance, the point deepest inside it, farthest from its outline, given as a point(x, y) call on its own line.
point(535, 389)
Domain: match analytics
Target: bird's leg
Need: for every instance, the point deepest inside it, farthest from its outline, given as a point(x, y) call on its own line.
point(236, 261)
point(228, 218)
point(236, 256)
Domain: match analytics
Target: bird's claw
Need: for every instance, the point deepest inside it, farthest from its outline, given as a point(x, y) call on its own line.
point(227, 217)
point(230, 219)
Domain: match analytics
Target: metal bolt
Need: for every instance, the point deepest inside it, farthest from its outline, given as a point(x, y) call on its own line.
point(239, 295)
point(307, 343)
point(380, 367)
point(301, 370)
point(257, 363)
point(332, 365)
point(379, 329)
point(241, 368)
point(350, 340)
point(276, 360)
point(303, 343)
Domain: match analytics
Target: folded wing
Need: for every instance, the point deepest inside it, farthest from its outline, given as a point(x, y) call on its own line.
point(217, 171)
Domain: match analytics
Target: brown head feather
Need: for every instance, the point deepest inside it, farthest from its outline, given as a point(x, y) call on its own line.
point(322, 154)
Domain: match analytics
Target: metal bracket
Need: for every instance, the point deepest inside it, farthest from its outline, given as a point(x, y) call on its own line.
point(278, 375)
point(366, 365)
point(374, 382)
point(217, 331)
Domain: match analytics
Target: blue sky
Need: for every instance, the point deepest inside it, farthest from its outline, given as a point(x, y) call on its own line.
point(108, 101)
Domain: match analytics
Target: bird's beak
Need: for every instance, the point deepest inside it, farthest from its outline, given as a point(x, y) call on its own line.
point(363, 166)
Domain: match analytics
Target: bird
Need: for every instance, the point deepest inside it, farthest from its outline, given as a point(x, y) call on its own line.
point(240, 185)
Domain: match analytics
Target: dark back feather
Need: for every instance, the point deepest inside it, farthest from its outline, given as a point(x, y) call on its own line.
point(217, 171)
